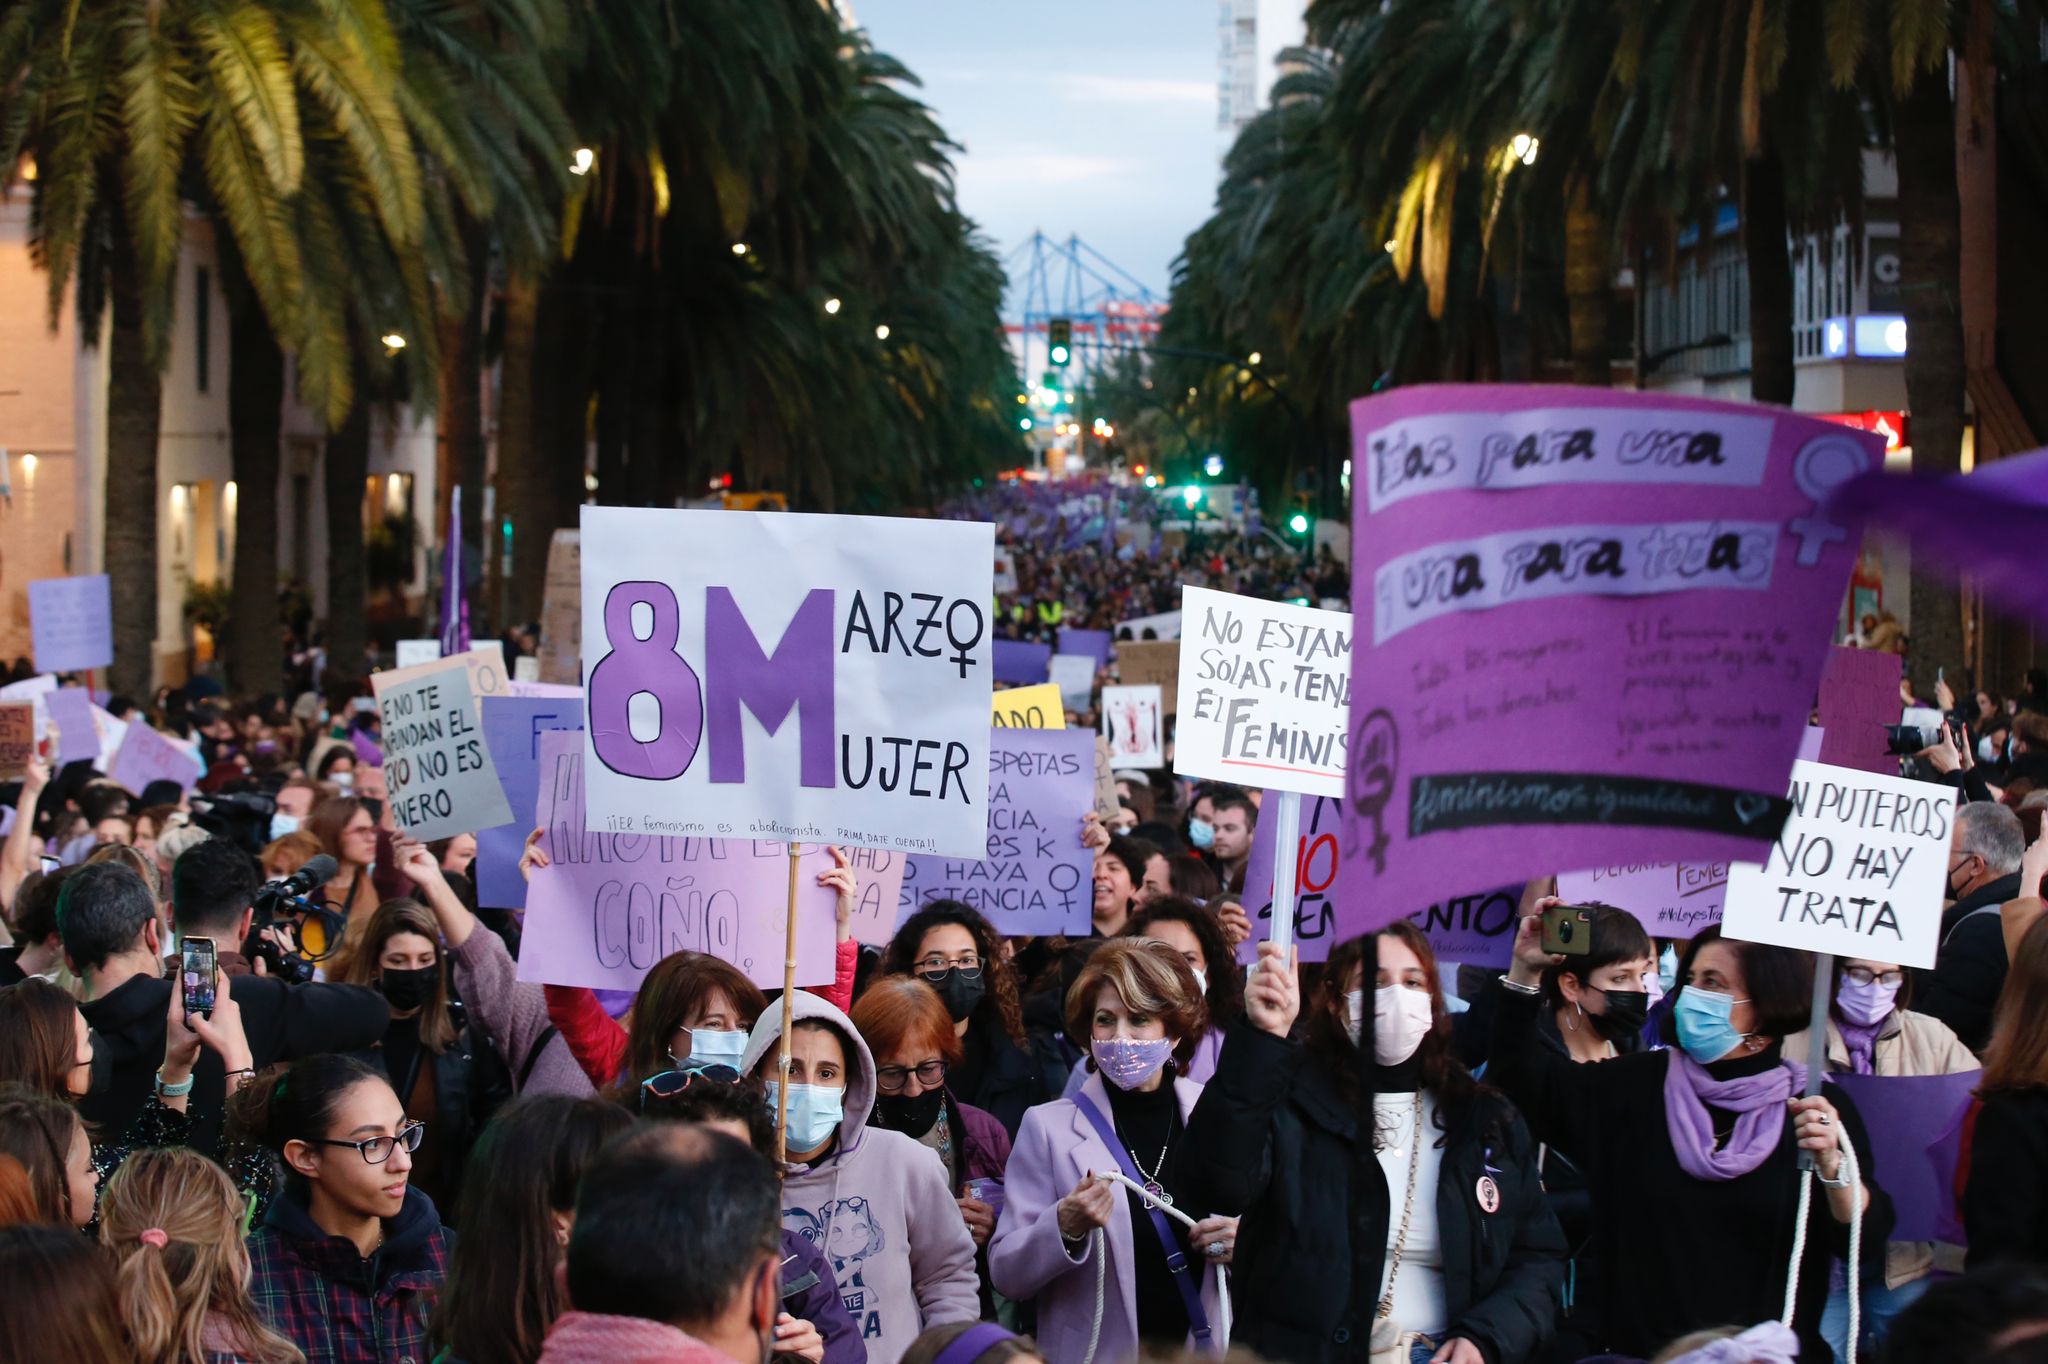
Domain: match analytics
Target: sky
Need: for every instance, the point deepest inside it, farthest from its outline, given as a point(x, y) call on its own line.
point(1095, 117)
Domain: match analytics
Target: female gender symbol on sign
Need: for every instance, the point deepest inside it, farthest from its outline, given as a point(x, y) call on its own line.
point(1820, 469)
point(1375, 762)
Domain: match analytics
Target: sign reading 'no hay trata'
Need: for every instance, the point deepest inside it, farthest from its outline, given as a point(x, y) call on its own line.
point(1590, 628)
point(768, 675)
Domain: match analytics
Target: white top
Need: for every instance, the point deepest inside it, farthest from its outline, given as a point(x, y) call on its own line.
point(1419, 1288)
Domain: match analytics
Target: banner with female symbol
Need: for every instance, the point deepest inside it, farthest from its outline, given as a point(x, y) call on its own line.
point(1590, 628)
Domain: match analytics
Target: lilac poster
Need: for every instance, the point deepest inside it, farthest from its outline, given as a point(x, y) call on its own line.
point(513, 726)
point(611, 905)
point(1475, 928)
point(1095, 642)
point(1590, 628)
point(1036, 876)
point(146, 756)
point(1020, 662)
point(1859, 696)
point(71, 623)
point(71, 712)
point(1673, 899)
point(1908, 1118)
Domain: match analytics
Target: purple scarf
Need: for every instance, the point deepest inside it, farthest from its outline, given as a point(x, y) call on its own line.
point(1861, 1042)
point(1759, 1100)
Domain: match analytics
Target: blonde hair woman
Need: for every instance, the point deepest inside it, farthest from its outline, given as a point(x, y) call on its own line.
point(172, 1222)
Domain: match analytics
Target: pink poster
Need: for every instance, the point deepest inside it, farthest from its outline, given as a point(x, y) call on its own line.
point(1859, 696)
point(1673, 899)
point(1589, 628)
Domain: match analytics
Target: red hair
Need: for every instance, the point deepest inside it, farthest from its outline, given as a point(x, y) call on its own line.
point(902, 1012)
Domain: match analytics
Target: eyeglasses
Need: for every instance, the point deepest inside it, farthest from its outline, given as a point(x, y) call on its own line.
point(670, 1083)
point(1863, 975)
point(968, 965)
point(891, 1079)
point(377, 1150)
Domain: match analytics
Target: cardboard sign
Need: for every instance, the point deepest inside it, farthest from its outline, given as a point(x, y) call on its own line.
point(762, 674)
point(1132, 719)
point(1859, 696)
point(1590, 627)
point(78, 736)
point(561, 611)
point(1107, 801)
point(1858, 870)
point(440, 772)
point(1155, 664)
point(1909, 1120)
point(1005, 571)
point(1074, 675)
point(71, 623)
point(513, 727)
point(1672, 899)
point(1263, 693)
point(146, 756)
point(17, 739)
point(1021, 662)
point(611, 905)
point(413, 652)
point(35, 691)
point(1035, 876)
point(1094, 643)
point(1037, 707)
point(1476, 929)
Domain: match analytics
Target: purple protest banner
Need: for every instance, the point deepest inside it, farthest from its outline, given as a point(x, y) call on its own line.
point(146, 756)
point(612, 905)
point(1096, 642)
point(1907, 1118)
point(878, 907)
point(1859, 696)
point(513, 726)
point(78, 738)
point(1478, 930)
point(1672, 899)
point(1036, 878)
point(1589, 628)
point(1020, 662)
point(71, 623)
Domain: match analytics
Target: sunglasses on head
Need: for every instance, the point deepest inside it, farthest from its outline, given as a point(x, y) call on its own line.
point(670, 1083)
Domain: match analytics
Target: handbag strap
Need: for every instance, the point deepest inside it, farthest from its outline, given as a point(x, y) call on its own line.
point(1386, 1307)
point(1176, 1258)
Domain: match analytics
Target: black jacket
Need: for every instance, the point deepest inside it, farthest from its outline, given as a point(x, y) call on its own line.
point(2005, 1203)
point(1969, 969)
point(997, 1076)
point(470, 1083)
point(1272, 1141)
point(284, 1022)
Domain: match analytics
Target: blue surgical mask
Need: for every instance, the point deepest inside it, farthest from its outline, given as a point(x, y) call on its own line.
point(1201, 833)
point(1667, 968)
point(815, 1112)
point(709, 1047)
point(282, 824)
point(1703, 1027)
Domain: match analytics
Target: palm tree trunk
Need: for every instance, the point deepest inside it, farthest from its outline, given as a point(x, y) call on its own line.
point(348, 466)
point(1588, 282)
point(255, 429)
point(134, 418)
point(1764, 243)
point(1930, 262)
point(459, 425)
point(522, 480)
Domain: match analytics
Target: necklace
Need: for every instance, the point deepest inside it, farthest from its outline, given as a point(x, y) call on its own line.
point(1153, 1188)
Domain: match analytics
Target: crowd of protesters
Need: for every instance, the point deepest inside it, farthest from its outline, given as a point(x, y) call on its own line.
point(380, 1144)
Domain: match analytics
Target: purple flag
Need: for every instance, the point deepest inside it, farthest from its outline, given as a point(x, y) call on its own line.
point(1019, 661)
point(1908, 1118)
point(454, 599)
point(1093, 642)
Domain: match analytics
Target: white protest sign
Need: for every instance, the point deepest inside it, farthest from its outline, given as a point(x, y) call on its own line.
point(33, 690)
point(1005, 571)
point(778, 675)
point(1131, 723)
point(71, 623)
point(1858, 870)
point(1265, 691)
point(413, 652)
point(439, 770)
point(1074, 675)
point(1165, 625)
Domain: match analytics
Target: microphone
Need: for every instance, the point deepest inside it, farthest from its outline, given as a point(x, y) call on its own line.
point(317, 872)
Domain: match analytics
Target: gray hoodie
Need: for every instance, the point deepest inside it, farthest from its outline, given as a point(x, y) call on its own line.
point(877, 1204)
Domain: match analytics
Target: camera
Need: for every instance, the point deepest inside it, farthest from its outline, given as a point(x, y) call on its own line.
point(315, 927)
point(1903, 741)
point(242, 818)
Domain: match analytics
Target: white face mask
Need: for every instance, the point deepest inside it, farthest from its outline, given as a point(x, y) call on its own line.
point(1201, 981)
point(1354, 1013)
point(1401, 1018)
point(1987, 752)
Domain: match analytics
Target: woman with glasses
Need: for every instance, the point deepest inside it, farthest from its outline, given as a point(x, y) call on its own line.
point(1872, 1032)
point(349, 1257)
point(955, 951)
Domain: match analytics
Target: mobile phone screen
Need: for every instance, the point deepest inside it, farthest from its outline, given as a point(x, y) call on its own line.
point(196, 975)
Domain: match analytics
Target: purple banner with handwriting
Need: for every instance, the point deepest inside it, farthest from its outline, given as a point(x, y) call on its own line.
point(1036, 878)
point(1910, 1119)
point(1673, 899)
point(612, 905)
point(1859, 696)
point(71, 712)
point(1477, 929)
point(1589, 628)
point(1021, 662)
point(513, 726)
point(146, 756)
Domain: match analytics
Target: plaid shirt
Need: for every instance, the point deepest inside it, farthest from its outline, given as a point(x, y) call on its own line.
point(335, 1305)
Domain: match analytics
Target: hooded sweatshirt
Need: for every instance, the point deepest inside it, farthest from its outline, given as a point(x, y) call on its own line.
point(876, 1203)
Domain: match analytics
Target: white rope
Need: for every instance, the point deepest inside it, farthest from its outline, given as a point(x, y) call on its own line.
point(1098, 1249)
point(1806, 1179)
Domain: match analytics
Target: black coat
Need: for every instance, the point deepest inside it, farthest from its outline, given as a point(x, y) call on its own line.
point(2005, 1204)
point(998, 1076)
point(284, 1022)
point(1273, 1141)
point(1969, 969)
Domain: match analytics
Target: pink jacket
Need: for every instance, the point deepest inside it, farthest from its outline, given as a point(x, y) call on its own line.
point(594, 1338)
point(1055, 1147)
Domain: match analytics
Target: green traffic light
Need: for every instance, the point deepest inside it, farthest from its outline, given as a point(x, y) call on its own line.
point(1060, 355)
point(1298, 524)
point(1023, 423)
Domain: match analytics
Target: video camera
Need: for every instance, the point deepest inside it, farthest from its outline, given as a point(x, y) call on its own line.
point(242, 818)
point(315, 927)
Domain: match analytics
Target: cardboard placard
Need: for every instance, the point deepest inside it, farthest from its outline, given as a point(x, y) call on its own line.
point(1107, 801)
point(442, 779)
point(1132, 721)
point(1034, 707)
point(561, 612)
point(1672, 899)
point(71, 623)
point(1264, 691)
point(513, 727)
point(1151, 663)
point(17, 739)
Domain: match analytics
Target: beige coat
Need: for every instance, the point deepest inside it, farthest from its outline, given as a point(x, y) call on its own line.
point(1910, 1044)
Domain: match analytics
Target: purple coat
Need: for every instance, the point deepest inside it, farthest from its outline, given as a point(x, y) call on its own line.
point(984, 1143)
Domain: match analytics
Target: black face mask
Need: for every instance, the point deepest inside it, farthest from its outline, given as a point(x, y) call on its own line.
point(1627, 1011)
point(913, 1117)
point(959, 993)
point(408, 989)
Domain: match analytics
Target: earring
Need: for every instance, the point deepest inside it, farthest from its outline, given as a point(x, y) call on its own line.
point(1568, 1018)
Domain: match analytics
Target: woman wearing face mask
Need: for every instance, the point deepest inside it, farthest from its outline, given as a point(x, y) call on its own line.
point(1195, 933)
point(447, 1073)
point(1872, 1032)
point(875, 1201)
point(954, 950)
point(1708, 1133)
point(1136, 1010)
point(1442, 1250)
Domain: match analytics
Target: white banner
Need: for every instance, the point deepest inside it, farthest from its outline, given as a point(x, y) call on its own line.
point(781, 676)
point(1265, 691)
point(1131, 723)
point(439, 771)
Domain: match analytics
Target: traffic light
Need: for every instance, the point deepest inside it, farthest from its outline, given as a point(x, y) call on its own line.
point(1059, 336)
point(1300, 522)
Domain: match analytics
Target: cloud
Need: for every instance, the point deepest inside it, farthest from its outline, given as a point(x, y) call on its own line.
point(1040, 169)
point(1147, 90)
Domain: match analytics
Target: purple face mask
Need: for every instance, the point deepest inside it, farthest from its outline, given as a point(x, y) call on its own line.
point(1866, 1005)
point(1128, 1062)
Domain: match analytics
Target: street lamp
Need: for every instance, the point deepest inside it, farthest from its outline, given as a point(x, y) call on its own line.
point(1523, 148)
point(393, 342)
point(832, 307)
point(739, 248)
point(882, 332)
point(580, 164)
